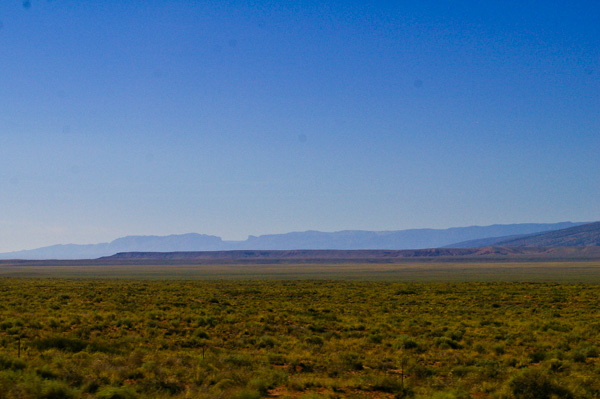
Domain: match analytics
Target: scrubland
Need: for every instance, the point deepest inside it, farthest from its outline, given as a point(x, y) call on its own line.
point(94, 338)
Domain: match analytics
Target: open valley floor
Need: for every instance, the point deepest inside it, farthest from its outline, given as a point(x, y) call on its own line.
point(300, 331)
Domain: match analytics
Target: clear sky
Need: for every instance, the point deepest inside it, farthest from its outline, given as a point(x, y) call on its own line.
point(257, 117)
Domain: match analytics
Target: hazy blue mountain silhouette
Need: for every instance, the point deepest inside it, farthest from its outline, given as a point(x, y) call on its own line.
point(579, 236)
point(349, 239)
point(401, 239)
point(584, 235)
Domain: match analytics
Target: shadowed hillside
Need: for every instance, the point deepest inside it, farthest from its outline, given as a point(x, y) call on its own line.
point(580, 236)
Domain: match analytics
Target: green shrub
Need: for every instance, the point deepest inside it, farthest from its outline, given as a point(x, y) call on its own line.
point(579, 356)
point(387, 384)
point(537, 356)
point(200, 334)
point(239, 360)
point(127, 323)
point(46, 373)
point(585, 352)
point(9, 363)
point(301, 366)
point(61, 343)
point(375, 338)
point(266, 341)
point(314, 340)
point(455, 335)
point(421, 371)
point(461, 371)
point(557, 365)
point(266, 380)
point(6, 324)
point(351, 360)
point(451, 395)
point(446, 342)
point(244, 394)
point(534, 384)
point(406, 342)
point(56, 390)
point(72, 345)
point(110, 392)
point(276, 358)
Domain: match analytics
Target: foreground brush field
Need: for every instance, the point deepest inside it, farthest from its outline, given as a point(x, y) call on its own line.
point(115, 338)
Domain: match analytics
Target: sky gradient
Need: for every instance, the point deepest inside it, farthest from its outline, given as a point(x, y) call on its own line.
point(167, 117)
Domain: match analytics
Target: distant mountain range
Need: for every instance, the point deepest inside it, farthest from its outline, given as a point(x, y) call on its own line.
point(314, 240)
point(578, 236)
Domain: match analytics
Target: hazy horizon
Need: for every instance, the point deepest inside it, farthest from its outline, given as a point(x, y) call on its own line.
point(237, 119)
point(293, 233)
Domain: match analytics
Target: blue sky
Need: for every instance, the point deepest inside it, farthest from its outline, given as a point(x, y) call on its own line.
point(257, 117)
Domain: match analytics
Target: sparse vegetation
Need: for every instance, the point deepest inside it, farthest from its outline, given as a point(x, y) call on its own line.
point(326, 339)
